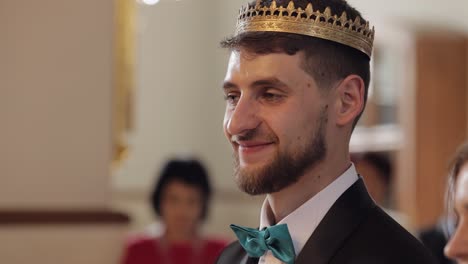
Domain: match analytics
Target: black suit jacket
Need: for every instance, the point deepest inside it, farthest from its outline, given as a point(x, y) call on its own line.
point(354, 231)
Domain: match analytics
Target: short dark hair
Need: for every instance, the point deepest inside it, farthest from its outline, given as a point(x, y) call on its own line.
point(326, 61)
point(187, 171)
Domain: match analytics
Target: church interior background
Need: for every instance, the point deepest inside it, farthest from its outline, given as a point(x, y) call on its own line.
point(96, 95)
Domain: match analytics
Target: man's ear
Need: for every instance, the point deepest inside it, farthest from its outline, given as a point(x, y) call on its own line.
point(349, 99)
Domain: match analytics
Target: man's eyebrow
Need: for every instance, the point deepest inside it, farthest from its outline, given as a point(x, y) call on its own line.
point(274, 82)
point(228, 85)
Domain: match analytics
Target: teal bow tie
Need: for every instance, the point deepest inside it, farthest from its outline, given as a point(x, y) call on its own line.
point(275, 238)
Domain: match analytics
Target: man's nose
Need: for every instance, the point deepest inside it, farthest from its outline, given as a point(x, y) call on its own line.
point(244, 117)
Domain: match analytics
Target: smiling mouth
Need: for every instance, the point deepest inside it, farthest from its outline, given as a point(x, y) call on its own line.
point(252, 147)
point(252, 142)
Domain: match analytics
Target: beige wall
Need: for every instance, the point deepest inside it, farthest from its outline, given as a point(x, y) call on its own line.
point(90, 244)
point(55, 100)
point(55, 82)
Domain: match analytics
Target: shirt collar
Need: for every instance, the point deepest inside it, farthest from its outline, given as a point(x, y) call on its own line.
point(303, 221)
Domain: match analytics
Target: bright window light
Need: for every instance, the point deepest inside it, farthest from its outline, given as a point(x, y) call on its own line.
point(150, 2)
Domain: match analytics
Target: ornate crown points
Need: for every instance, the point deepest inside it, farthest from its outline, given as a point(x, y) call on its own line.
point(307, 22)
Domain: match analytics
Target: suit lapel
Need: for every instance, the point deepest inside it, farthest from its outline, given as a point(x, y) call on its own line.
point(340, 221)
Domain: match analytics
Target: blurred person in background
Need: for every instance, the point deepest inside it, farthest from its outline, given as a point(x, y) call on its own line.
point(181, 199)
point(376, 168)
point(457, 194)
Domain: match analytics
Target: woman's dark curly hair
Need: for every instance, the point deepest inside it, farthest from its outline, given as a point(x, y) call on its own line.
point(188, 171)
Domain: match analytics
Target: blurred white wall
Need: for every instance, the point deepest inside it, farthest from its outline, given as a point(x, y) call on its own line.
point(416, 14)
point(178, 104)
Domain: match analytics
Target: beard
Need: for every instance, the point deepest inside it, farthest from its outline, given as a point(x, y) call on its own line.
point(286, 167)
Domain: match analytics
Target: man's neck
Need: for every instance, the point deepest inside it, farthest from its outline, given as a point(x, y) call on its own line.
point(287, 200)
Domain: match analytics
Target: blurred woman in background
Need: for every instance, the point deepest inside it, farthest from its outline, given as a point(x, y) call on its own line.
point(180, 198)
point(457, 247)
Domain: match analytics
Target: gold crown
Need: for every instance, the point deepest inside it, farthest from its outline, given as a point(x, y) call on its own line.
point(307, 22)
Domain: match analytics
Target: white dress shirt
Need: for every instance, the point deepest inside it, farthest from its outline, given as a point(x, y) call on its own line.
point(304, 220)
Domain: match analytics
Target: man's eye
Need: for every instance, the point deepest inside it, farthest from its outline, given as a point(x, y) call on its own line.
point(231, 98)
point(271, 96)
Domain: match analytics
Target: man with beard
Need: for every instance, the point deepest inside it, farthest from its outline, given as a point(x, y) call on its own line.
point(295, 87)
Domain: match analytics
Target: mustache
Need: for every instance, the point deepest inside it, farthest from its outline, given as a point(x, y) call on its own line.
point(250, 135)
